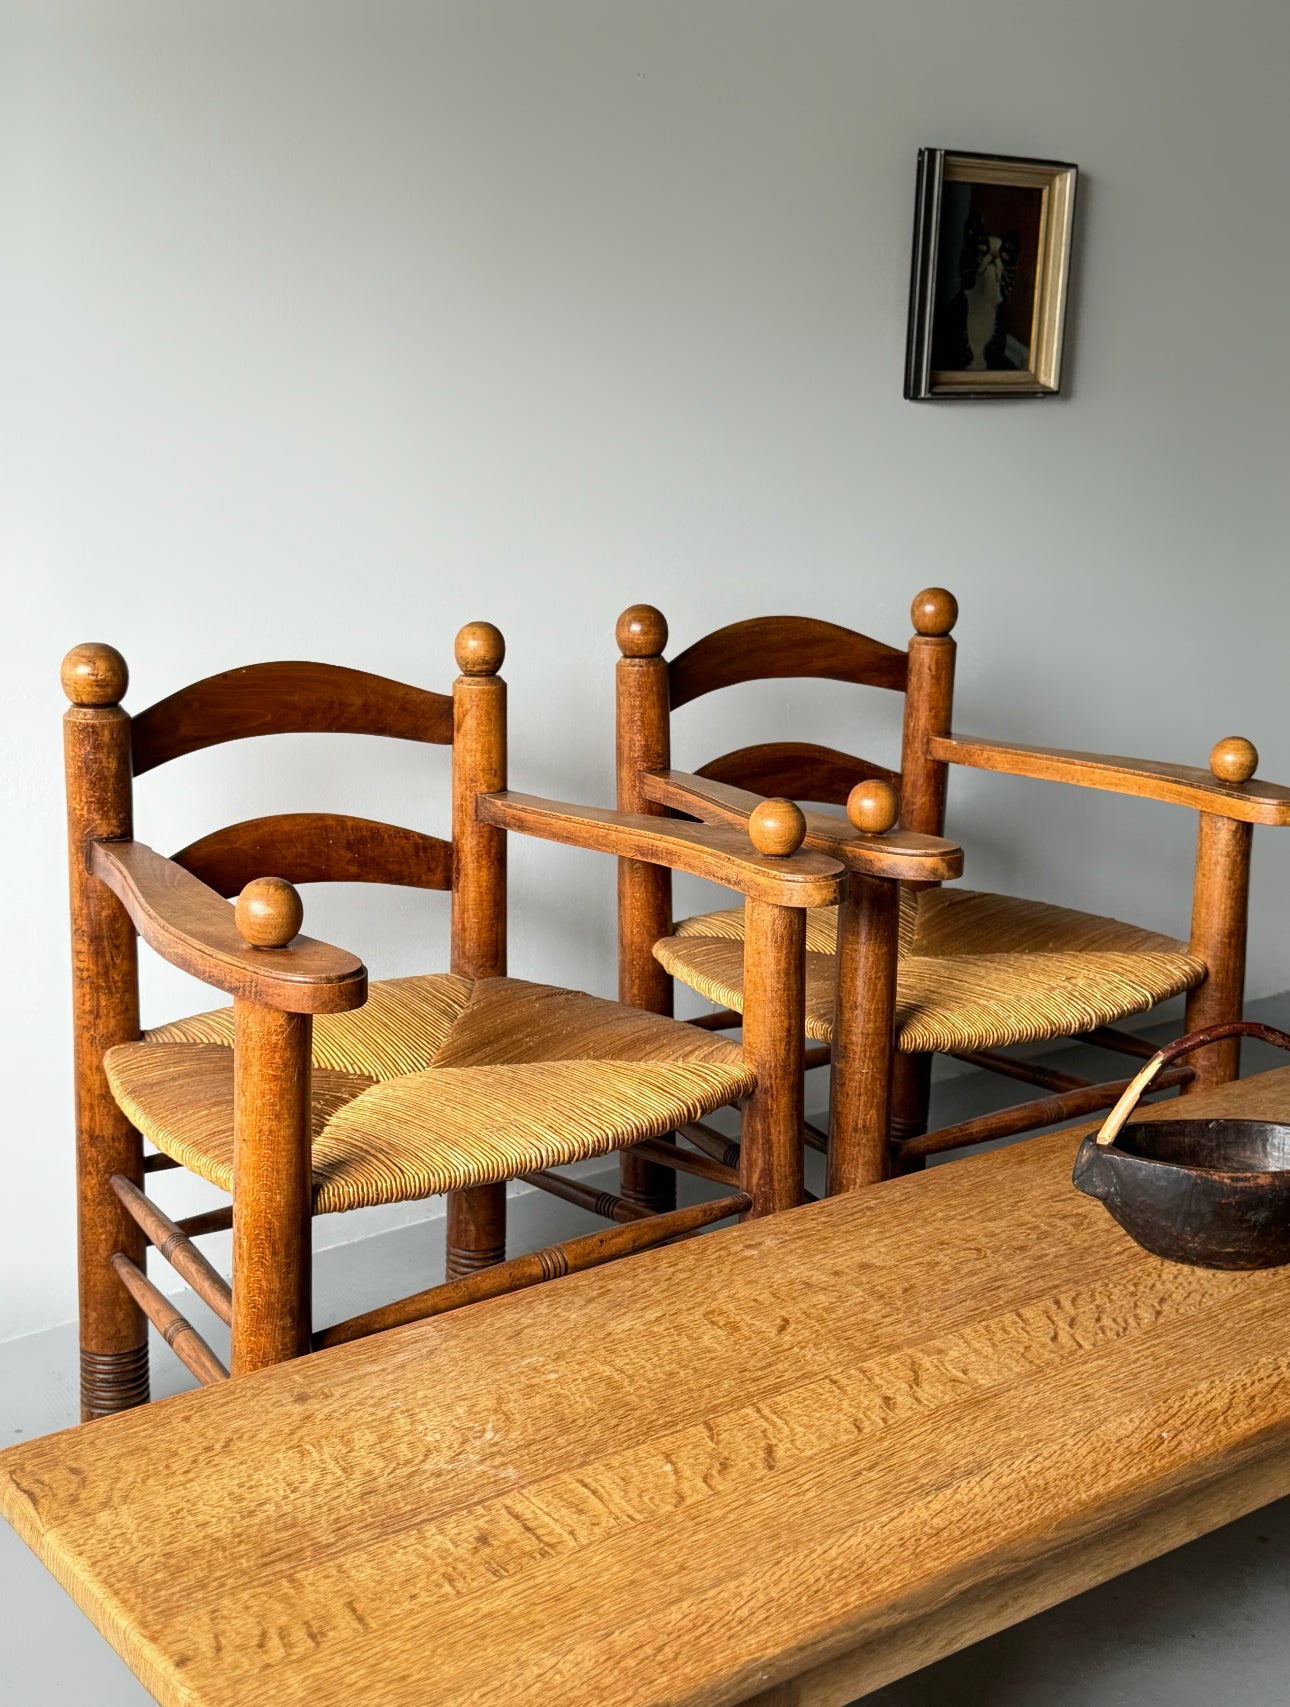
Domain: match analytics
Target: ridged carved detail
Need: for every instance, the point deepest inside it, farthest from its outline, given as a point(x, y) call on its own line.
point(463, 1261)
point(554, 1262)
point(113, 1381)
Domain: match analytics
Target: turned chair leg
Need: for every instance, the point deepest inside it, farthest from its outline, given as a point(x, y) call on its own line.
point(911, 1085)
point(272, 1184)
point(770, 1155)
point(1220, 908)
point(860, 1113)
point(476, 1229)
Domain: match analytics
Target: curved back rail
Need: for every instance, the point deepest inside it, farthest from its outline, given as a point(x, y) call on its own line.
point(290, 698)
point(318, 847)
point(799, 770)
point(764, 647)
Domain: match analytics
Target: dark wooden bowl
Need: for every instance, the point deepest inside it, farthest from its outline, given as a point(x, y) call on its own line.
point(1213, 1193)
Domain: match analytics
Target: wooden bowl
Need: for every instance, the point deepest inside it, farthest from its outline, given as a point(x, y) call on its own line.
point(1213, 1193)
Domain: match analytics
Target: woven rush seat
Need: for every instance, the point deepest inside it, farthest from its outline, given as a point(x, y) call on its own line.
point(976, 971)
point(438, 1083)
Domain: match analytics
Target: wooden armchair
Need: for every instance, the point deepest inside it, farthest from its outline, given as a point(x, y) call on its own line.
point(906, 968)
point(315, 1093)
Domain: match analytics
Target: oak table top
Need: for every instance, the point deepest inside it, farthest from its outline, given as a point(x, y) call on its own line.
point(785, 1462)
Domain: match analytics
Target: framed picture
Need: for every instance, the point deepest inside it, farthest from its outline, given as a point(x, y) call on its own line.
point(992, 243)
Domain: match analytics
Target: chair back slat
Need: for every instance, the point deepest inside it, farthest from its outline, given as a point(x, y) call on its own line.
point(318, 847)
point(797, 770)
point(286, 699)
point(771, 646)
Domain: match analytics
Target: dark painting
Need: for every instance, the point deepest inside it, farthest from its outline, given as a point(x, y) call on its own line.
point(987, 263)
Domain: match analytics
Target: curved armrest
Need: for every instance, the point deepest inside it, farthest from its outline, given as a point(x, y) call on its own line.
point(1182, 785)
point(899, 853)
point(192, 927)
point(706, 850)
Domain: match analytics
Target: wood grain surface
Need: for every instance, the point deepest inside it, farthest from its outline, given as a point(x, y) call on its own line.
point(805, 879)
point(289, 698)
point(901, 854)
point(318, 847)
point(1182, 785)
point(788, 1461)
point(765, 647)
point(799, 769)
point(191, 927)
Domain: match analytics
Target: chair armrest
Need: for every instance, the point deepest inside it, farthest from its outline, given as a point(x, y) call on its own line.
point(192, 927)
point(1181, 785)
point(898, 854)
point(706, 850)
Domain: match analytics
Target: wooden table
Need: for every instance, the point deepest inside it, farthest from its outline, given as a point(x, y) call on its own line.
point(828, 1447)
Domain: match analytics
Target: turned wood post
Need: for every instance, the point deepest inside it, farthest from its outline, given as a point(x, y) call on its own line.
point(929, 701)
point(272, 1141)
point(476, 1230)
point(1219, 917)
point(642, 743)
point(864, 1009)
point(105, 1012)
point(770, 1155)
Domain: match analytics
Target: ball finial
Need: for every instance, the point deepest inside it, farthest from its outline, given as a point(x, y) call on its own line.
point(95, 674)
point(641, 632)
point(873, 807)
point(1234, 759)
point(777, 827)
point(934, 611)
point(269, 912)
point(480, 649)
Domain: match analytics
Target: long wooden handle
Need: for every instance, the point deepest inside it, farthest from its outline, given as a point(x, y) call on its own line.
point(1110, 1130)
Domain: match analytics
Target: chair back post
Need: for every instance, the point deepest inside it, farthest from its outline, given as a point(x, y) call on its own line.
point(478, 767)
point(864, 1009)
point(476, 1218)
point(105, 1012)
point(1219, 920)
point(272, 1143)
point(642, 743)
point(929, 702)
point(774, 1028)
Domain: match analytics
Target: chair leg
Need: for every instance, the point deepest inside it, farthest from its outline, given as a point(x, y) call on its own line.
point(911, 1085)
point(770, 1155)
point(863, 1035)
point(113, 1331)
point(272, 1186)
point(646, 1184)
point(1220, 909)
point(476, 1229)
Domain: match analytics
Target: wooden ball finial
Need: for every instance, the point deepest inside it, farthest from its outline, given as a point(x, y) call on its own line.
point(479, 649)
point(641, 632)
point(934, 611)
point(777, 827)
point(95, 674)
point(1234, 759)
point(873, 807)
point(269, 912)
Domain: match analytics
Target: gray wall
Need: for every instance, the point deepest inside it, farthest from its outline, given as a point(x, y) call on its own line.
point(329, 327)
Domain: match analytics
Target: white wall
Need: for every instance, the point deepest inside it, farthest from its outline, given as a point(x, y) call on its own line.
point(328, 327)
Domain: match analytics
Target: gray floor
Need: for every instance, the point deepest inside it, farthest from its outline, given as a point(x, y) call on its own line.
point(1206, 1624)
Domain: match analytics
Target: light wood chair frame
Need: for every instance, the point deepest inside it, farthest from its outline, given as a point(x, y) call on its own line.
point(120, 890)
point(879, 1096)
